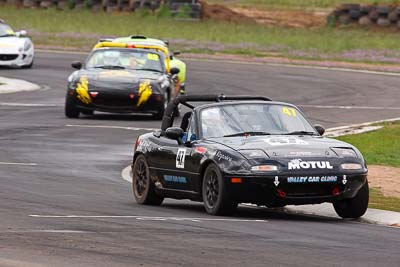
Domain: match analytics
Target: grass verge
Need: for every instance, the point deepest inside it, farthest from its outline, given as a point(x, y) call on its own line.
point(378, 147)
point(378, 201)
point(82, 29)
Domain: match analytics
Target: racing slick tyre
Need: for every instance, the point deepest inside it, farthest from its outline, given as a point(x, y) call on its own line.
point(354, 207)
point(215, 195)
point(71, 111)
point(143, 188)
point(160, 113)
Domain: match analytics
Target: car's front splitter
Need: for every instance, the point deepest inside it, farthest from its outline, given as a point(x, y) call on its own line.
point(293, 190)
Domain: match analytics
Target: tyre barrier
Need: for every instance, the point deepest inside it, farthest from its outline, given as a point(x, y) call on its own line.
point(177, 8)
point(366, 15)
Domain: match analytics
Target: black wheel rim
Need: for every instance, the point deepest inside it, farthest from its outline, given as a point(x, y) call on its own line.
point(212, 189)
point(141, 178)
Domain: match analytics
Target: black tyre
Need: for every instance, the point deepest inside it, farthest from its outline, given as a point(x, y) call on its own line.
point(71, 111)
point(143, 188)
point(215, 196)
point(87, 112)
point(160, 113)
point(354, 207)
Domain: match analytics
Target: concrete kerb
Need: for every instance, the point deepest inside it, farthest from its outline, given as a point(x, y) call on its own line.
point(8, 85)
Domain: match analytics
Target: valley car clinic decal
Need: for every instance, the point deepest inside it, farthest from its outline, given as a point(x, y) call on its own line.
point(297, 164)
point(180, 158)
point(284, 140)
point(312, 179)
point(145, 92)
point(175, 179)
point(82, 90)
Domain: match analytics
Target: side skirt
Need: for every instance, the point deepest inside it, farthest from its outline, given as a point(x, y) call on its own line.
point(179, 194)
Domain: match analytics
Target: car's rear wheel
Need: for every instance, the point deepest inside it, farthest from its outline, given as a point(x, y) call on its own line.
point(354, 207)
point(215, 195)
point(71, 110)
point(143, 187)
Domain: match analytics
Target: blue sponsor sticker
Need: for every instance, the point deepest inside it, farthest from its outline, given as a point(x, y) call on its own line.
point(175, 179)
point(312, 179)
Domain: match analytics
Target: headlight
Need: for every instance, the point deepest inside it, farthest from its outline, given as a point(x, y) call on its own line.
point(72, 86)
point(27, 46)
point(351, 166)
point(253, 154)
point(344, 152)
point(264, 168)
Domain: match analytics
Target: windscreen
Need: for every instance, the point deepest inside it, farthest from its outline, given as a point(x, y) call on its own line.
point(263, 119)
point(125, 59)
point(6, 30)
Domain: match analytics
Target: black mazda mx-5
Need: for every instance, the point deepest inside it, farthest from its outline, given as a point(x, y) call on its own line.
point(246, 149)
point(121, 80)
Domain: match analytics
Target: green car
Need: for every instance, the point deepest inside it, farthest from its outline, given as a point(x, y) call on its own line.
point(142, 40)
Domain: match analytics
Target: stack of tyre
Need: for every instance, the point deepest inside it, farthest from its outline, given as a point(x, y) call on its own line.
point(366, 15)
point(192, 7)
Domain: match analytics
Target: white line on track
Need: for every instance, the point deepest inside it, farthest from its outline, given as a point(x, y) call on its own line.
point(18, 163)
point(349, 107)
point(144, 218)
point(111, 127)
point(27, 105)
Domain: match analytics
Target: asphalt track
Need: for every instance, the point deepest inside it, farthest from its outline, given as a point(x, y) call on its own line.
point(63, 202)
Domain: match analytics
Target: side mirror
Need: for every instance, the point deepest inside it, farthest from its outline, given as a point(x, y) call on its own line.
point(175, 53)
point(174, 133)
point(23, 33)
point(319, 128)
point(76, 65)
point(174, 71)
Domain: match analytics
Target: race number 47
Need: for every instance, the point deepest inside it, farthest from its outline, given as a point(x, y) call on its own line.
point(180, 158)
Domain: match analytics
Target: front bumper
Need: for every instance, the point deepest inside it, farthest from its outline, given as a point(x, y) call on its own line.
point(123, 105)
point(284, 190)
point(17, 59)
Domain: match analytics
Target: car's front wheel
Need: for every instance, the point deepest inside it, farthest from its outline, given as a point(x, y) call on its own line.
point(215, 195)
point(28, 66)
point(354, 207)
point(143, 187)
point(71, 110)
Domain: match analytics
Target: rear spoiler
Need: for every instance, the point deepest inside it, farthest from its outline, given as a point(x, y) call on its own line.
point(140, 46)
point(168, 118)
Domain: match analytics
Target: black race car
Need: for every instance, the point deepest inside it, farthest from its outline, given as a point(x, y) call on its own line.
point(121, 80)
point(244, 149)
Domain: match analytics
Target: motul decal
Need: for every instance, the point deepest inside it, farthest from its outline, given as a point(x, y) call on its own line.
point(297, 164)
